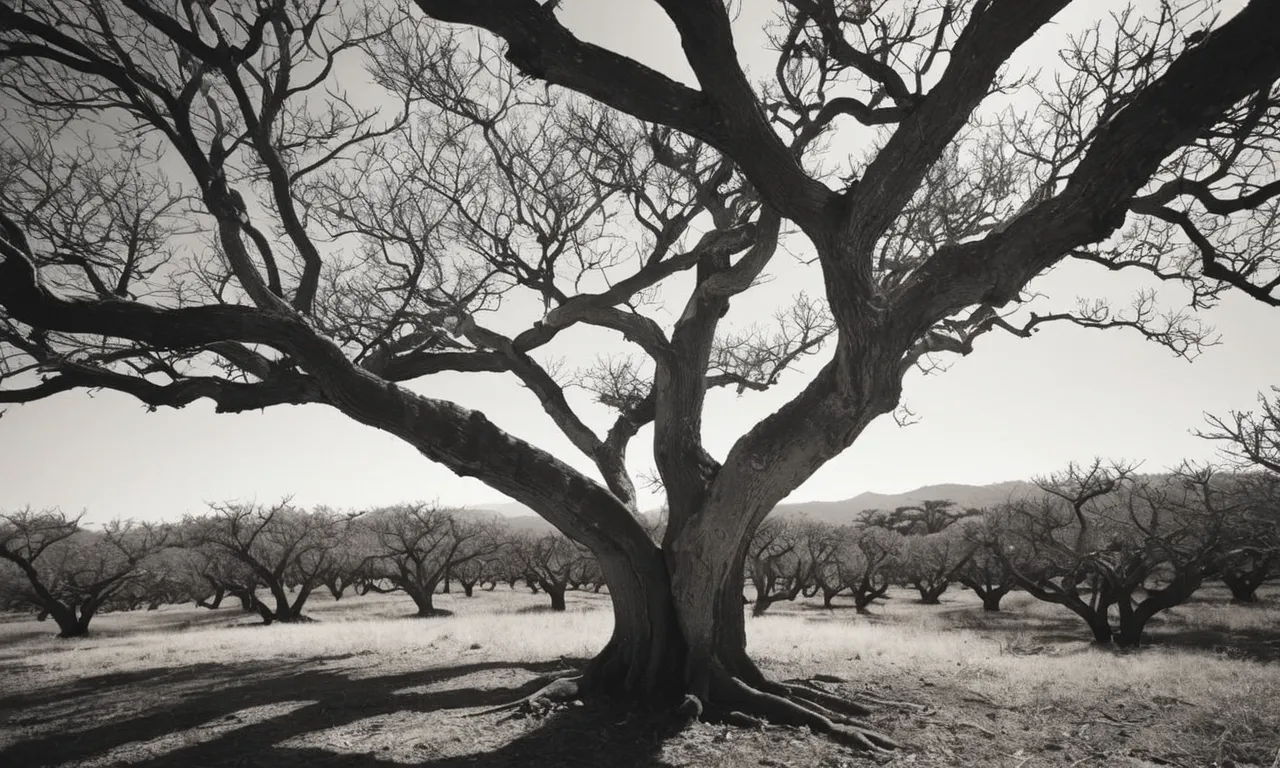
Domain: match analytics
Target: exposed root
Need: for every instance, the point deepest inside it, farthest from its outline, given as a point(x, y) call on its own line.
point(735, 700)
point(558, 691)
point(810, 688)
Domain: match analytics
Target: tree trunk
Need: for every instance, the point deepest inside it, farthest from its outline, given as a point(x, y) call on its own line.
point(1244, 586)
point(424, 598)
point(991, 601)
point(556, 593)
point(336, 588)
point(930, 593)
point(468, 588)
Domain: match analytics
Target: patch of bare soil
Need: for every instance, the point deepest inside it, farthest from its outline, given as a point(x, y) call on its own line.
point(372, 710)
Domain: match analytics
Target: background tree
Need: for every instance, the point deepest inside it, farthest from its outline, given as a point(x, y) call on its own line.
point(932, 516)
point(984, 571)
point(1146, 149)
point(546, 563)
point(420, 543)
point(71, 572)
point(775, 565)
point(930, 563)
point(866, 564)
point(280, 544)
point(1102, 540)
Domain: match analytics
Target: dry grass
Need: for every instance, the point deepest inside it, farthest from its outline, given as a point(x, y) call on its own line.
point(366, 685)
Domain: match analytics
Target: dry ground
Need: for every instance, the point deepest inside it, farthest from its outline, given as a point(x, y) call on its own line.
point(365, 685)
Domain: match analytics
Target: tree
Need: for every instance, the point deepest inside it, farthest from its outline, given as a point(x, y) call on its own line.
point(932, 516)
point(865, 562)
point(280, 545)
point(1251, 438)
point(774, 562)
point(984, 572)
point(1147, 150)
point(930, 563)
point(420, 543)
point(1252, 442)
point(1101, 539)
point(546, 562)
point(71, 572)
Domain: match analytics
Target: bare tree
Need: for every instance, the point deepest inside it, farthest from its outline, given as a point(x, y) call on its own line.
point(865, 563)
point(984, 572)
point(281, 545)
point(420, 543)
point(930, 563)
point(70, 572)
point(1101, 540)
point(546, 562)
point(777, 569)
point(1251, 438)
point(1146, 149)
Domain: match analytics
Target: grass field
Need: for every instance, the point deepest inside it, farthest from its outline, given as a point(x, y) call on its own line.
point(366, 685)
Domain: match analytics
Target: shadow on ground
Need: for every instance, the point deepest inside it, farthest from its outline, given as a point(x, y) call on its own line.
point(200, 724)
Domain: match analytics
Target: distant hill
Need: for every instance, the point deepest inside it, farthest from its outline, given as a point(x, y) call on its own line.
point(521, 518)
point(850, 510)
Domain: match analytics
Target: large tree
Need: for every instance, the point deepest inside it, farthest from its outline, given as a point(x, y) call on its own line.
point(256, 234)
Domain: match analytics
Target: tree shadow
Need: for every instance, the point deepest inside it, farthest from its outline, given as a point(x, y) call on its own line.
point(201, 723)
point(1250, 644)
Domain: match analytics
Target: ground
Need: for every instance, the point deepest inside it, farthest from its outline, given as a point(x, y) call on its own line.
point(367, 685)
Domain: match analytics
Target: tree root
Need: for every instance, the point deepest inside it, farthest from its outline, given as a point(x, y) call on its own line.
point(733, 701)
point(558, 691)
point(810, 688)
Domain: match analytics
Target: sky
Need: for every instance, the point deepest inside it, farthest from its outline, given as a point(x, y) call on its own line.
point(1011, 410)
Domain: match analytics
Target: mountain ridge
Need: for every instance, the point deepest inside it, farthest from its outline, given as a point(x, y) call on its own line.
point(840, 512)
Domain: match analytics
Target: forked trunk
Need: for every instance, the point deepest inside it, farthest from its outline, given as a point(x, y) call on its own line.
point(680, 638)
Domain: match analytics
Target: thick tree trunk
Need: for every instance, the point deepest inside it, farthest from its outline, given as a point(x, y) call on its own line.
point(991, 601)
point(468, 588)
point(424, 599)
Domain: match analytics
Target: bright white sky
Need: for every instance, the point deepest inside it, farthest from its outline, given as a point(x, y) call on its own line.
point(1012, 409)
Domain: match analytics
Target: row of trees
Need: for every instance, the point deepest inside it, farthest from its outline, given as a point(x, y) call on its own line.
point(1113, 546)
point(271, 559)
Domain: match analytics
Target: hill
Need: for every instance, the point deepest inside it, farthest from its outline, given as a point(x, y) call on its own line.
point(521, 518)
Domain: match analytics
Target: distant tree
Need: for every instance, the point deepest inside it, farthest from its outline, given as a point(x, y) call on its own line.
point(478, 571)
point(932, 562)
point(71, 572)
point(281, 545)
point(1250, 551)
point(545, 562)
point(864, 562)
point(419, 543)
point(1251, 439)
point(1100, 540)
point(985, 572)
point(775, 563)
point(932, 516)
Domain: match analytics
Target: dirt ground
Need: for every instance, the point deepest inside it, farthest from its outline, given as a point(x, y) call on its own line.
point(281, 706)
